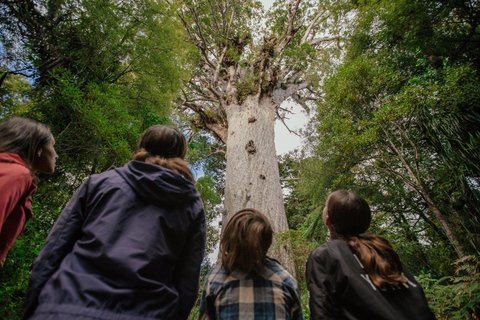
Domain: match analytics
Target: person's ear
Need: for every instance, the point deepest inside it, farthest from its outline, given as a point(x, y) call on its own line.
point(39, 152)
point(327, 220)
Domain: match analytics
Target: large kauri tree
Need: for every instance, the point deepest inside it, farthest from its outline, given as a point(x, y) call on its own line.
point(243, 73)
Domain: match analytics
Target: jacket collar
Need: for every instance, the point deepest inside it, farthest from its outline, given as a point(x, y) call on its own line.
point(11, 158)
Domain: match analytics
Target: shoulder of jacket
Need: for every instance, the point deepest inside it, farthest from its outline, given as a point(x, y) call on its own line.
point(216, 278)
point(105, 179)
point(320, 250)
point(15, 168)
point(332, 250)
point(16, 172)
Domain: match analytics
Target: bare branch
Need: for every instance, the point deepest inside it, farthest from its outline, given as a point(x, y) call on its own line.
point(227, 33)
point(216, 74)
point(218, 151)
point(279, 94)
point(318, 41)
point(203, 93)
point(16, 72)
point(311, 26)
point(301, 101)
point(199, 44)
point(283, 121)
point(285, 110)
point(416, 185)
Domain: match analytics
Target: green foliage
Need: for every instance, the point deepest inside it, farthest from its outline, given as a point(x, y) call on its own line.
point(213, 209)
point(98, 73)
point(14, 95)
point(456, 297)
point(297, 206)
point(301, 249)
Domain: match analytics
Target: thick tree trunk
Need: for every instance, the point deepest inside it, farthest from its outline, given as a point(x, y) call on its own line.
point(252, 177)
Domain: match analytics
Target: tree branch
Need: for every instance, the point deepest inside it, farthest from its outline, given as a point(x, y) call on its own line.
point(311, 26)
point(317, 41)
point(218, 151)
point(290, 31)
point(283, 121)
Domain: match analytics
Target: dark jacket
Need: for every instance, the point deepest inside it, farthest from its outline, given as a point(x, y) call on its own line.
point(340, 288)
point(16, 189)
point(128, 245)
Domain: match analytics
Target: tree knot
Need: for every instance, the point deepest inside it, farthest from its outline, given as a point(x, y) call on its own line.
point(250, 147)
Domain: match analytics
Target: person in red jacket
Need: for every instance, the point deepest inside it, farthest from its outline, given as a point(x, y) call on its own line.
point(26, 147)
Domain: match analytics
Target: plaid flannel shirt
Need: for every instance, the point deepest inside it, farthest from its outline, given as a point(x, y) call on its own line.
point(272, 294)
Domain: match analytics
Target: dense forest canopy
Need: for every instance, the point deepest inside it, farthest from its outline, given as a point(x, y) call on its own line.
point(392, 87)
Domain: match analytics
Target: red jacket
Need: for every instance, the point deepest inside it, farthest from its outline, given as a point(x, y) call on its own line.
point(16, 188)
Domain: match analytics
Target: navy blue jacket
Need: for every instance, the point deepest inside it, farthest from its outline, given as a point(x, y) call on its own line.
point(128, 245)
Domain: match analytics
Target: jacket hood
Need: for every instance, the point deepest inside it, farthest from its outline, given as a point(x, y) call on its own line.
point(158, 185)
point(11, 158)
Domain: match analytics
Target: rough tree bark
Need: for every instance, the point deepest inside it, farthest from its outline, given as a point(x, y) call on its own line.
point(252, 177)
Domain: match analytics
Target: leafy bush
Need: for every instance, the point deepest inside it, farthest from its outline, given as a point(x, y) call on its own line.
point(456, 297)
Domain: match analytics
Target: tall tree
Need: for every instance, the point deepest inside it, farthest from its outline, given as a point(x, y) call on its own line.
point(243, 74)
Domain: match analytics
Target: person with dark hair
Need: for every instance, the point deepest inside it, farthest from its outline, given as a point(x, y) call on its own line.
point(246, 283)
point(26, 147)
point(356, 276)
point(129, 244)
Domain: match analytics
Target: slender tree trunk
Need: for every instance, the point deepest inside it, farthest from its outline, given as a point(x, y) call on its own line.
point(443, 222)
point(412, 237)
point(252, 176)
point(472, 237)
point(416, 184)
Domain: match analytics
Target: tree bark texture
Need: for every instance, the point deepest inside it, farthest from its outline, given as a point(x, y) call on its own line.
point(252, 177)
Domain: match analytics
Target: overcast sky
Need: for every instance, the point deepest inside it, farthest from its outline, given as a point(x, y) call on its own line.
point(267, 3)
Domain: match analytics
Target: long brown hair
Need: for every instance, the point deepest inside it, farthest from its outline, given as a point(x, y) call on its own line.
point(164, 146)
point(24, 137)
point(245, 241)
point(350, 216)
